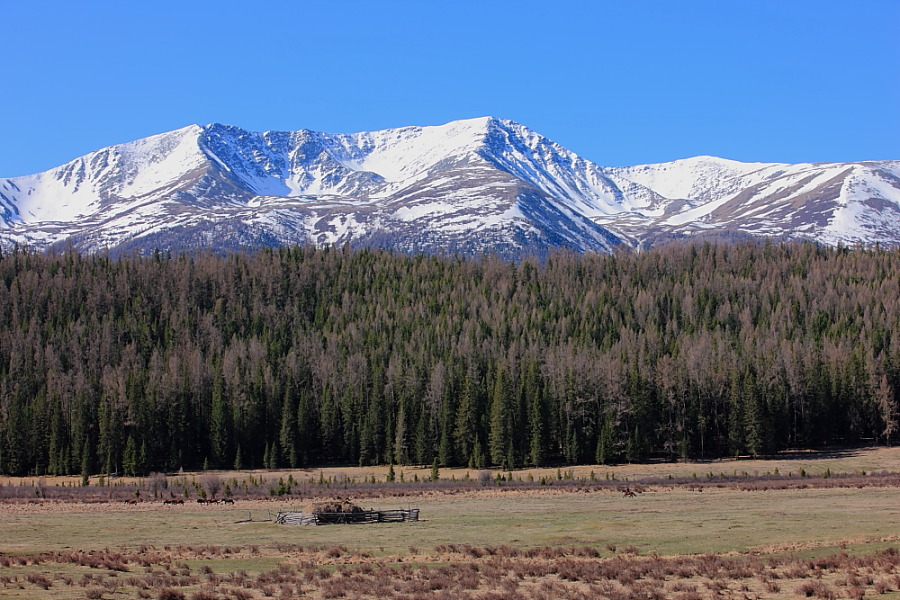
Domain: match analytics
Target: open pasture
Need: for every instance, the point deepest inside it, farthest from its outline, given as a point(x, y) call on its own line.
point(498, 542)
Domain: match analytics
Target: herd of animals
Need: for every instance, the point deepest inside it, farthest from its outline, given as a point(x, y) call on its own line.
point(180, 501)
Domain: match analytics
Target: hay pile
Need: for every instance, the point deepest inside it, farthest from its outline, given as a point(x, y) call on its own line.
point(332, 507)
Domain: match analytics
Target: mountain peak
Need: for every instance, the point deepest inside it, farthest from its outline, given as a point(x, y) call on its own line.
point(473, 185)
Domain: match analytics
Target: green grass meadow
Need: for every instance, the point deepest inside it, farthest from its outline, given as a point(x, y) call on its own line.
point(663, 520)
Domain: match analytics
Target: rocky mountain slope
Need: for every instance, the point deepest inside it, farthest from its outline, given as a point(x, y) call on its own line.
point(465, 187)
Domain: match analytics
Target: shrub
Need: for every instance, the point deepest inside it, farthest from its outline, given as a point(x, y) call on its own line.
point(816, 589)
point(856, 593)
point(39, 580)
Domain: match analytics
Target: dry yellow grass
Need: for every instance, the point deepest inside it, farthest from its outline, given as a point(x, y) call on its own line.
point(540, 543)
point(842, 460)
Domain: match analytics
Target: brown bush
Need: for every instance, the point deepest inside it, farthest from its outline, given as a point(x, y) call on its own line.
point(816, 589)
point(856, 593)
point(39, 580)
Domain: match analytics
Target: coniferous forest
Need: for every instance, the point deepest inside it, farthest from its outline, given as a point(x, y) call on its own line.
point(295, 357)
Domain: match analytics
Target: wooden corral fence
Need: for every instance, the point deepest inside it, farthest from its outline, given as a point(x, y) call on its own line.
point(364, 516)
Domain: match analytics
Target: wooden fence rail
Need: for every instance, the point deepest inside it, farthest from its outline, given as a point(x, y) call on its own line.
point(365, 516)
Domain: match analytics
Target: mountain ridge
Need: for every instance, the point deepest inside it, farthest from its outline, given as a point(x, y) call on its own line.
point(468, 186)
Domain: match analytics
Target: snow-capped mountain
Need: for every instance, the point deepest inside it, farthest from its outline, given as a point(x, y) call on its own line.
point(468, 187)
point(832, 203)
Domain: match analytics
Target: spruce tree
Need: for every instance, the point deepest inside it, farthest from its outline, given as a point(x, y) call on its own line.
point(238, 459)
point(288, 431)
point(130, 457)
point(219, 421)
point(500, 437)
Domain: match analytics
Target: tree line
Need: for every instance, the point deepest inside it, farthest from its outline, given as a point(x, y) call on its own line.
point(298, 356)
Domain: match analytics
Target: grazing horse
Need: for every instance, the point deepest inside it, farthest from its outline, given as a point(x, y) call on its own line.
point(629, 493)
point(226, 501)
point(178, 501)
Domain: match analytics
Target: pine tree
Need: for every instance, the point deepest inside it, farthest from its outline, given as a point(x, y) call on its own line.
point(536, 416)
point(219, 421)
point(606, 451)
point(15, 458)
point(130, 458)
point(887, 403)
point(477, 459)
point(366, 444)
point(288, 431)
point(109, 434)
point(445, 441)
point(466, 429)
point(753, 421)
point(401, 442)
point(424, 438)
point(330, 425)
point(85, 463)
point(267, 455)
point(273, 456)
point(238, 459)
point(735, 415)
point(501, 431)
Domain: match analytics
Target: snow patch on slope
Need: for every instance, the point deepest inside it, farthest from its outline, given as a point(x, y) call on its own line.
point(690, 178)
point(79, 188)
point(461, 185)
point(401, 155)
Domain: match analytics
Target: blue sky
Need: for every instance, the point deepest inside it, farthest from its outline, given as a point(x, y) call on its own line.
point(620, 83)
